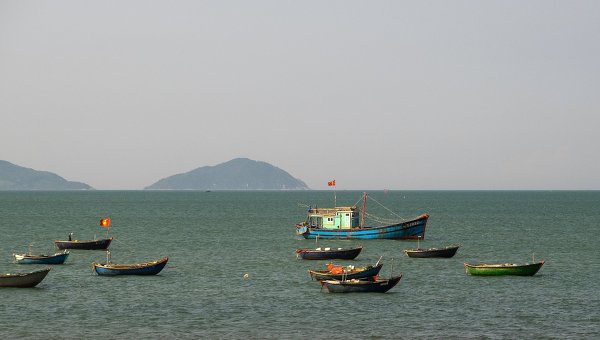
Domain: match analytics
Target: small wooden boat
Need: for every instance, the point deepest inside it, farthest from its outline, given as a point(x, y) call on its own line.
point(57, 258)
point(23, 280)
point(89, 245)
point(345, 272)
point(432, 252)
point(527, 269)
point(361, 286)
point(145, 268)
point(329, 253)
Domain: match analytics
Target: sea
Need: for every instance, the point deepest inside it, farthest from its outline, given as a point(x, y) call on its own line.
point(233, 272)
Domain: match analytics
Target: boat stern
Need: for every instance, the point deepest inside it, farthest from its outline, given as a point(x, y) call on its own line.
point(301, 230)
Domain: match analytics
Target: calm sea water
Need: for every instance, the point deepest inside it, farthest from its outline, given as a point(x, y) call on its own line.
point(214, 238)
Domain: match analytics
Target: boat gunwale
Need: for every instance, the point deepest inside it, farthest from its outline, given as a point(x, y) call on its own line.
point(423, 250)
point(359, 282)
point(361, 286)
point(133, 266)
point(39, 256)
point(11, 275)
point(504, 265)
point(331, 250)
point(84, 241)
point(314, 274)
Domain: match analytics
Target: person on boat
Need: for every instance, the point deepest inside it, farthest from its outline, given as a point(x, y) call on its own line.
point(70, 236)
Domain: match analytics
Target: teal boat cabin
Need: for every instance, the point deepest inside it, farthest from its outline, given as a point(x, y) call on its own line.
point(333, 218)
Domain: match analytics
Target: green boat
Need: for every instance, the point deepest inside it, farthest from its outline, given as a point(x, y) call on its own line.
point(527, 269)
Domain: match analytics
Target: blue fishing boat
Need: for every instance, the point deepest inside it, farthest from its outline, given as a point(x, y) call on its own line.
point(344, 223)
point(57, 258)
point(145, 268)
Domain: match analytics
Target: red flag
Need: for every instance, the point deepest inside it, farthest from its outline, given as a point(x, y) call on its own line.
point(331, 183)
point(105, 222)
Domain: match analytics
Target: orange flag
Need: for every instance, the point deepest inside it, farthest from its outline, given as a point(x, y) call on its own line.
point(331, 183)
point(105, 222)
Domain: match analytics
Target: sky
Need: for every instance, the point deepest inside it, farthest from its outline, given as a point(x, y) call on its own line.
point(399, 95)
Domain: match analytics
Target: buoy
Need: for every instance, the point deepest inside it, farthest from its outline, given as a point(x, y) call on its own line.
point(246, 276)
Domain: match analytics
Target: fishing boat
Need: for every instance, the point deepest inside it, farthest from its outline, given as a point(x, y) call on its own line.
point(95, 244)
point(99, 244)
point(335, 272)
point(527, 269)
point(445, 252)
point(57, 258)
point(145, 268)
point(329, 253)
point(360, 286)
point(23, 280)
point(344, 223)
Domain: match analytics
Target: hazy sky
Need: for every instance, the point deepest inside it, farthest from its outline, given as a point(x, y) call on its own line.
point(376, 94)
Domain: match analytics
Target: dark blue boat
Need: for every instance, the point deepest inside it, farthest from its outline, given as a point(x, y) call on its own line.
point(58, 258)
point(360, 286)
point(329, 253)
point(145, 268)
point(90, 245)
point(445, 252)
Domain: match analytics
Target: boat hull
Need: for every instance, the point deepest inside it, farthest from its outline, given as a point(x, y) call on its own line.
point(329, 254)
point(147, 268)
point(528, 269)
point(446, 252)
point(360, 286)
point(58, 258)
point(23, 280)
point(407, 230)
point(369, 272)
point(100, 244)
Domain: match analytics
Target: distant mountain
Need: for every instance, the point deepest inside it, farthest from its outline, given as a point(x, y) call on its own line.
point(237, 174)
point(14, 177)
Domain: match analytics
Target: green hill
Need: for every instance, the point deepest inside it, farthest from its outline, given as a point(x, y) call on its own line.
point(237, 174)
point(14, 177)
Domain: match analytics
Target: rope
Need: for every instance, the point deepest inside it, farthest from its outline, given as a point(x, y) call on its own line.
point(381, 220)
point(133, 252)
point(384, 207)
point(123, 243)
point(378, 219)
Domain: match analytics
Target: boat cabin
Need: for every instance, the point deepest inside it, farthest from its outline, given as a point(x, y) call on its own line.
point(333, 218)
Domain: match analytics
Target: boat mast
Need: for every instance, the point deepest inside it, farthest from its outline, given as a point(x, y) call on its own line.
point(334, 196)
point(364, 210)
